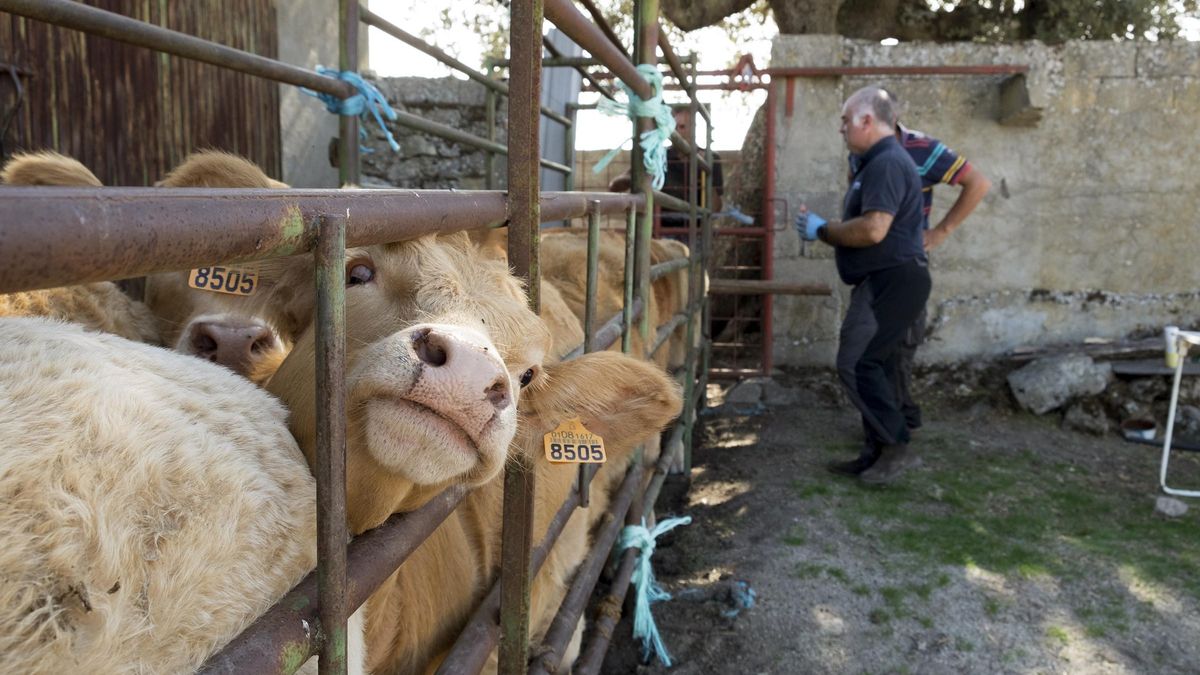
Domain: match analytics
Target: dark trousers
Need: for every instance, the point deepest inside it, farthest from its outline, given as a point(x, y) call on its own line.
point(871, 349)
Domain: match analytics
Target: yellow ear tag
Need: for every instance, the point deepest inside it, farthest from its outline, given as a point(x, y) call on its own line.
point(231, 280)
point(572, 443)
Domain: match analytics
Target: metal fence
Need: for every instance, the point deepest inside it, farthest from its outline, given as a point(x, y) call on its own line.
point(57, 236)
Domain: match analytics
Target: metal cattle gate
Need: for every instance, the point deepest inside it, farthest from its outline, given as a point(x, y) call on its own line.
point(59, 236)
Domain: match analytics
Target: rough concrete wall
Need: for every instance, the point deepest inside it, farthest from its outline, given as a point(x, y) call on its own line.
point(428, 162)
point(1091, 225)
point(305, 127)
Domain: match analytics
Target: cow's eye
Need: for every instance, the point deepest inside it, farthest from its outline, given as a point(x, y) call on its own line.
point(359, 274)
point(527, 377)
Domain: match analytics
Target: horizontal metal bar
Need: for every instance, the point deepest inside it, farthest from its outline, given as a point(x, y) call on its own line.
point(670, 203)
point(562, 13)
point(765, 287)
point(721, 231)
point(285, 637)
point(662, 269)
point(563, 627)
point(664, 333)
point(372, 19)
point(610, 332)
point(850, 71)
point(411, 121)
point(477, 640)
point(81, 17)
point(58, 236)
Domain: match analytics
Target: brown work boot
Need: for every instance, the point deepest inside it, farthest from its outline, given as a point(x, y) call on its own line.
point(857, 465)
point(893, 461)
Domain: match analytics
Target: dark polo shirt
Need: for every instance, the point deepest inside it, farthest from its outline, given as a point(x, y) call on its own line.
point(887, 181)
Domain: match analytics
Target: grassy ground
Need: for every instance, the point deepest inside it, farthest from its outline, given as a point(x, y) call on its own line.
point(1017, 547)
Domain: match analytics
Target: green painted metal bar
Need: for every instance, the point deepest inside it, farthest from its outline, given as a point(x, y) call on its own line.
point(524, 219)
point(627, 325)
point(349, 167)
point(489, 158)
point(645, 52)
point(589, 324)
point(689, 408)
point(569, 130)
point(330, 471)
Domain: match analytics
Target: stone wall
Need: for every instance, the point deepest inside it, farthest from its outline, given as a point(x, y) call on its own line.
point(1090, 229)
point(425, 161)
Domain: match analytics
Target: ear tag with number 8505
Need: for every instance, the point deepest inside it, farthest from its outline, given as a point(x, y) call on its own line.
point(572, 443)
point(231, 280)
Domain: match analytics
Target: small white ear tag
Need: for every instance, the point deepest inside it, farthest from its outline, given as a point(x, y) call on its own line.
point(572, 443)
point(231, 280)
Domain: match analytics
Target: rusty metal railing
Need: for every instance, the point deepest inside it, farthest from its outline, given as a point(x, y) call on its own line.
point(66, 235)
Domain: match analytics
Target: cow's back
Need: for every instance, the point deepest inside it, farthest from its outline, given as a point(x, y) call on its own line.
point(151, 505)
point(99, 306)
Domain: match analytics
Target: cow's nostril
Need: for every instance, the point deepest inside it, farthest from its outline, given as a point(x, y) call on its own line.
point(203, 343)
point(429, 349)
point(497, 394)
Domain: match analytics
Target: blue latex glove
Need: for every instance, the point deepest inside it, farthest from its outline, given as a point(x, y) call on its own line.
point(807, 224)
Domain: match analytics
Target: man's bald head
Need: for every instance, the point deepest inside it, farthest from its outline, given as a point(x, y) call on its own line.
point(875, 101)
point(867, 116)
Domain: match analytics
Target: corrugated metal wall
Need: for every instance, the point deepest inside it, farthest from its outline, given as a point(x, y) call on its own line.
point(129, 113)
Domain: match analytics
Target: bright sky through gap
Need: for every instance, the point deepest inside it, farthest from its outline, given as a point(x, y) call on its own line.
point(732, 111)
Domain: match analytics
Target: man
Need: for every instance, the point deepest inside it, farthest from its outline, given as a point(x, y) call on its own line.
point(879, 250)
point(936, 164)
point(677, 171)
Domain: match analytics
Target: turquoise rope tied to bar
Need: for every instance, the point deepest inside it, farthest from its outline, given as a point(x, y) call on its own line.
point(648, 591)
point(368, 99)
point(654, 152)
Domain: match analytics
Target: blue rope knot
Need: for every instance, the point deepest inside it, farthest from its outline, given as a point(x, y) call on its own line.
point(368, 99)
point(654, 151)
point(647, 589)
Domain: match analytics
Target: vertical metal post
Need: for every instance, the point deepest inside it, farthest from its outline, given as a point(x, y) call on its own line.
point(589, 321)
point(331, 441)
point(569, 130)
point(768, 224)
point(627, 308)
point(693, 277)
point(348, 166)
point(489, 157)
point(705, 264)
point(646, 44)
point(524, 116)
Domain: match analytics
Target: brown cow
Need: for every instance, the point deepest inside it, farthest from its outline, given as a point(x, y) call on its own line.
point(232, 330)
point(97, 306)
point(420, 609)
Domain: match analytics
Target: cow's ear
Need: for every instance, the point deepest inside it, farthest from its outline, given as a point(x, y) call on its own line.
point(624, 400)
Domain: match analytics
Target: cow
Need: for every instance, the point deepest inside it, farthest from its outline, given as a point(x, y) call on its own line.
point(229, 329)
point(98, 306)
point(442, 350)
point(418, 612)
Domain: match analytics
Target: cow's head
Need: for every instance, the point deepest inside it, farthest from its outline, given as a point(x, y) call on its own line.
point(442, 352)
point(246, 334)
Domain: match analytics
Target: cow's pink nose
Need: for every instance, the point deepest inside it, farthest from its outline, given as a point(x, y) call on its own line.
point(462, 366)
point(235, 345)
point(463, 378)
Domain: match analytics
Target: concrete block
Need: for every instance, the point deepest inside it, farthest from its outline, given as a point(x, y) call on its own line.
point(1168, 59)
point(1086, 416)
point(808, 51)
point(1095, 58)
point(1170, 507)
point(1046, 384)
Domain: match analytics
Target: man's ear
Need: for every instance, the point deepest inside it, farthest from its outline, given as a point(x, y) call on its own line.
point(624, 400)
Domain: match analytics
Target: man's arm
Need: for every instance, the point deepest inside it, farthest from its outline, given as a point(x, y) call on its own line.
point(974, 186)
point(866, 230)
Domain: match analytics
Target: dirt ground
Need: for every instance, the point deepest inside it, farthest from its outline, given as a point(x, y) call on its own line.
point(1018, 547)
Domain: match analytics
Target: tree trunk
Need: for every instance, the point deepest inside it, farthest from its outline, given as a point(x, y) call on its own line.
point(807, 16)
point(689, 15)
